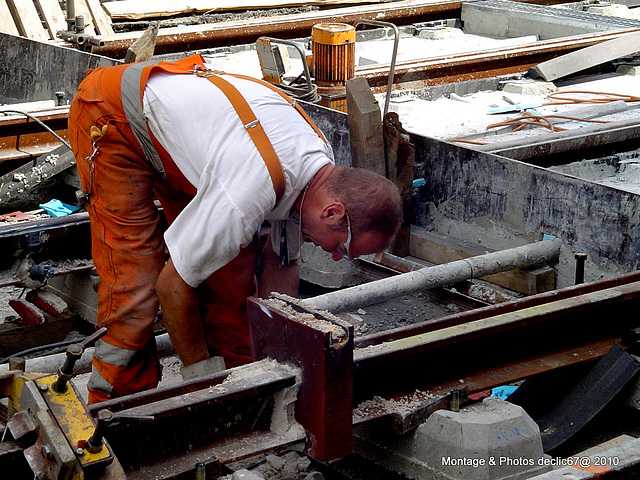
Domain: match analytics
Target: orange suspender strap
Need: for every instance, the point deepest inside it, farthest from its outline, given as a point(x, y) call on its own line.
point(291, 101)
point(255, 130)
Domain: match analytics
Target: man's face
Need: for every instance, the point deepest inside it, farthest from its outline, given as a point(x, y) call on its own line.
point(335, 241)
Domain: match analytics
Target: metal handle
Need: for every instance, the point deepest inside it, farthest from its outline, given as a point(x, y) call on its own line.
point(74, 352)
point(392, 67)
point(105, 419)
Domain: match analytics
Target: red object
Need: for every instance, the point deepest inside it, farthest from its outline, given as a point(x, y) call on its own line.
point(325, 402)
point(39, 300)
point(27, 311)
point(480, 395)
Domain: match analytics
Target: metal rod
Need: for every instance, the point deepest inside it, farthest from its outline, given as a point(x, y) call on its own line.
point(437, 276)
point(581, 258)
point(392, 67)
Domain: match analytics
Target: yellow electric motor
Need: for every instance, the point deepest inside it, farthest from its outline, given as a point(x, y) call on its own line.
point(333, 47)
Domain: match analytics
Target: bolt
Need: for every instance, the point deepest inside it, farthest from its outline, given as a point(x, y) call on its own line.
point(43, 388)
point(79, 451)
point(46, 451)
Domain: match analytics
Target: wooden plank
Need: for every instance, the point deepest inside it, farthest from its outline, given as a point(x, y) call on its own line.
point(138, 9)
point(54, 17)
point(101, 21)
point(439, 249)
point(7, 25)
point(365, 127)
point(400, 155)
point(27, 20)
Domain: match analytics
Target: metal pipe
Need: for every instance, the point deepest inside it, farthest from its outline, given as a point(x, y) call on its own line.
point(71, 15)
point(437, 276)
point(581, 259)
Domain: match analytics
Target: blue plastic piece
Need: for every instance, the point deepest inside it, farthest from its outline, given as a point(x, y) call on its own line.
point(503, 392)
point(419, 182)
point(56, 208)
point(513, 108)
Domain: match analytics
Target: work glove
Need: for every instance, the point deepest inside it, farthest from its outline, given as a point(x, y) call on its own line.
point(203, 368)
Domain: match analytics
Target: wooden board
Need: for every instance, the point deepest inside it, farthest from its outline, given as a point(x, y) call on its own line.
point(54, 17)
point(27, 19)
point(101, 21)
point(137, 9)
point(438, 249)
point(7, 25)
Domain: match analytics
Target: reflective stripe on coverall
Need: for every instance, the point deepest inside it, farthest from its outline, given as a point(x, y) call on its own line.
point(127, 244)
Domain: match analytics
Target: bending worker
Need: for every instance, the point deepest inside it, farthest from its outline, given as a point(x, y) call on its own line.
point(222, 153)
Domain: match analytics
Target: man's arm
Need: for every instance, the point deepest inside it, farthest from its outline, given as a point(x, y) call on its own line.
point(181, 315)
point(277, 278)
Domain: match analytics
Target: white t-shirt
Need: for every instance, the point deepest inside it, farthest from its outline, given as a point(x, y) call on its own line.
point(199, 128)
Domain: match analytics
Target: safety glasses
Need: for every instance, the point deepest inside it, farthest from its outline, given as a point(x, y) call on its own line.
point(343, 248)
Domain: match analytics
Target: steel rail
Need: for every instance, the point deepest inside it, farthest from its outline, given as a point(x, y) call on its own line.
point(577, 324)
point(284, 26)
point(23, 138)
point(475, 65)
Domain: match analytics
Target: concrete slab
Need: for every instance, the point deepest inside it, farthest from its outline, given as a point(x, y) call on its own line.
point(588, 57)
point(499, 18)
point(317, 267)
point(633, 70)
point(490, 440)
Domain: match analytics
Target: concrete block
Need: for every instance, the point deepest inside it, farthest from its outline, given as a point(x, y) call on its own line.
point(76, 289)
point(629, 70)
point(587, 57)
point(28, 312)
point(439, 33)
point(529, 87)
point(492, 440)
point(504, 19)
point(317, 267)
point(47, 302)
point(245, 474)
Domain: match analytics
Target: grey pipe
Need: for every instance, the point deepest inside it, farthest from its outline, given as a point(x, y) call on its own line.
point(437, 276)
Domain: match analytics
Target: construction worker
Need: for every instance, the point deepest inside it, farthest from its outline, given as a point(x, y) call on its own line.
point(222, 153)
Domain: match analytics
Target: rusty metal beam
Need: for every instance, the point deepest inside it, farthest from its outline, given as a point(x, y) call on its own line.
point(23, 138)
point(471, 66)
point(283, 26)
point(213, 420)
point(449, 353)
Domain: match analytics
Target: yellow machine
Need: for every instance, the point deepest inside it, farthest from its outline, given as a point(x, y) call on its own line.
point(333, 46)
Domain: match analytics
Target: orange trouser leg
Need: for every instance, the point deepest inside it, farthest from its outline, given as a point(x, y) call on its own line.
point(127, 248)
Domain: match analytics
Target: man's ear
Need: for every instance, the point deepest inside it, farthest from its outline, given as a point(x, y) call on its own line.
point(333, 212)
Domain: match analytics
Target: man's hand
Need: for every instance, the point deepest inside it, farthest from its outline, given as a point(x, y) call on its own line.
point(277, 278)
point(181, 315)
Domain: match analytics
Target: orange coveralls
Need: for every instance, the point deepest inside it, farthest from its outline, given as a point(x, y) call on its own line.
point(127, 245)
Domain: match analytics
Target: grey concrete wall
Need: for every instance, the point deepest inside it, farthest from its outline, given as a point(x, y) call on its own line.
point(335, 127)
point(32, 71)
point(500, 203)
